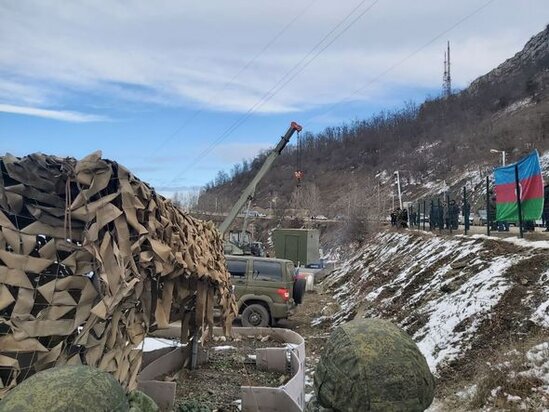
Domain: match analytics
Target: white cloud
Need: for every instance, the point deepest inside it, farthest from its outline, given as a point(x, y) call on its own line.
point(66, 116)
point(236, 152)
point(183, 53)
point(16, 91)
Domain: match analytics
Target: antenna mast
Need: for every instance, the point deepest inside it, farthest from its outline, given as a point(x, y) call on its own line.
point(447, 79)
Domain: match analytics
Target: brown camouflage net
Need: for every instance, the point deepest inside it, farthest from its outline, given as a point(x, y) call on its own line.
point(91, 259)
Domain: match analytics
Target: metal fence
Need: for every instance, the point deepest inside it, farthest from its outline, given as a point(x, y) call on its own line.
point(450, 212)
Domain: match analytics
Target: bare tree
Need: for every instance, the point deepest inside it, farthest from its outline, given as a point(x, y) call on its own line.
point(307, 198)
point(176, 199)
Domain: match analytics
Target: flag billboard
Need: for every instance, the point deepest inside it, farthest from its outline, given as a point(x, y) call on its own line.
point(530, 182)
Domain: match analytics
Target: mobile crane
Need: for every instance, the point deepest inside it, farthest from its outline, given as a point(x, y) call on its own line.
point(248, 193)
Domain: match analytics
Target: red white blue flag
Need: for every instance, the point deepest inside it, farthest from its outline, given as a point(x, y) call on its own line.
point(531, 189)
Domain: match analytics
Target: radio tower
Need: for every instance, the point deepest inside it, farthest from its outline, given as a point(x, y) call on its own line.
point(447, 80)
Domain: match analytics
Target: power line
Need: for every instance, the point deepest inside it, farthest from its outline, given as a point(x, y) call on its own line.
point(324, 48)
point(281, 83)
point(395, 65)
point(284, 80)
point(275, 89)
point(235, 76)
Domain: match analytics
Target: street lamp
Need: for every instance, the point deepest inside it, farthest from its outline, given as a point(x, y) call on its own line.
point(502, 155)
point(397, 176)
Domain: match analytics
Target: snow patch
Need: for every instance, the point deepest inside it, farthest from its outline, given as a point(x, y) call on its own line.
point(541, 314)
point(524, 243)
point(544, 163)
point(515, 106)
point(224, 347)
point(467, 393)
point(151, 343)
point(438, 340)
point(538, 244)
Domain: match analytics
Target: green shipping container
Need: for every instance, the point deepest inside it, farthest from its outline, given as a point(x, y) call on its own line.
point(298, 245)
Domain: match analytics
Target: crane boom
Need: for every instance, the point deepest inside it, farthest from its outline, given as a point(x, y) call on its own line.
point(248, 193)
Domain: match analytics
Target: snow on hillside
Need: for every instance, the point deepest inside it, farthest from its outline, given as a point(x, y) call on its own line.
point(515, 106)
point(540, 315)
point(446, 292)
point(544, 162)
point(438, 339)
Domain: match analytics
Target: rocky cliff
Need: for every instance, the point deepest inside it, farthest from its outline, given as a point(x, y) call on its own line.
point(534, 56)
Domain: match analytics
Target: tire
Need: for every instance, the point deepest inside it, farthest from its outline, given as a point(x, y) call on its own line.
point(299, 290)
point(255, 315)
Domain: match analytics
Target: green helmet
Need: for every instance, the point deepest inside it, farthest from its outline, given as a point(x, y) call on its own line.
point(372, 365)
point(67, 388)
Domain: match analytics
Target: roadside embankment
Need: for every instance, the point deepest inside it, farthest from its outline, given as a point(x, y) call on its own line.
point(464, 300)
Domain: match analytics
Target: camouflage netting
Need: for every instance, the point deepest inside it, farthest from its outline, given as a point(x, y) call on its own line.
point(372, 365)
point(91, 259)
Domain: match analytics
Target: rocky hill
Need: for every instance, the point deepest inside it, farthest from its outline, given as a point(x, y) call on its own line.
point(440, 145)
point(534, 56)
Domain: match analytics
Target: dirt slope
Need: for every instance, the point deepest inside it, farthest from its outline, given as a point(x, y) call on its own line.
point(464, 300)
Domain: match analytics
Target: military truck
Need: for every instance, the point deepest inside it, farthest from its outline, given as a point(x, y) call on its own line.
point(266, 289)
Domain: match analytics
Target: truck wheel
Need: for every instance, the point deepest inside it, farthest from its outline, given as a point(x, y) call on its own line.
point(255, 315)
point(299, 290)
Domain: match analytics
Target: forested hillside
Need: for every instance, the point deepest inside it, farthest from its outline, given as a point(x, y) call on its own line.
point(438, 144)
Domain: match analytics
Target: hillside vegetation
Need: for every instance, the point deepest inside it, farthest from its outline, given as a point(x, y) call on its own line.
point(430, 144)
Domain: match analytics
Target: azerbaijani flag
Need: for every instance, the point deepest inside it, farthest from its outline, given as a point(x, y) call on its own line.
point(531, 190)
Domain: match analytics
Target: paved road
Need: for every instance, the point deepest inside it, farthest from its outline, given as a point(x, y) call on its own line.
point(263, 217)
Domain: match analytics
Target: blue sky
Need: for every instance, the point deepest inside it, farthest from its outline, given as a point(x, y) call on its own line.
point(155, 85)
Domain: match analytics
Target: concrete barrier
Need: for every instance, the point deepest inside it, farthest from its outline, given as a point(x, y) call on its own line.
point(289, 397)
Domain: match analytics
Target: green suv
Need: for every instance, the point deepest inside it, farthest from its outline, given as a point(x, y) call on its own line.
point(266, 289)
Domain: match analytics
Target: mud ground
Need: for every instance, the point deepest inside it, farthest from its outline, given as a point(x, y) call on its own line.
point(215, 385)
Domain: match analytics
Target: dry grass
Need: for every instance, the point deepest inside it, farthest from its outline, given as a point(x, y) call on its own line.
point(495, 380)
point(500, 382)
